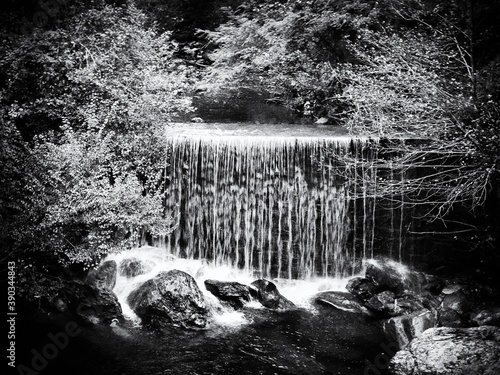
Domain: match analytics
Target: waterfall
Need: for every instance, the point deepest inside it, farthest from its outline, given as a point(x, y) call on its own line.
point(277, 207)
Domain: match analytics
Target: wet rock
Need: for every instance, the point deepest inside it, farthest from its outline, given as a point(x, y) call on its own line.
point(89, 303)
point(487, 317)
point(383, 304)
point(430, 301)
point(132, 267)
point(454, 310)
point(104, 276)
point(386, 304)
point(386, 275)
point(342, 301)
point(446, 350)
point(171, 298)
point(268, 295)
point(409, 303)
point(402, 329)
point(452, 288)
point(393, 276)
point(232, 292)
point(362, 288)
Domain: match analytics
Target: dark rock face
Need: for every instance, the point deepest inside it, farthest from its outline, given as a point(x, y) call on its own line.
point(267, 293)
point(383, 304)
point(363, 288)
point(454, 310)
point(386, 276)
point(133, 267)
point(389, 275)
point(104, 276)
point(389, 289)
point(410, 303)
point(446, 350)
point(402, 329)
point(386, 304)
point(487, 317)
point(232, 292)
point(342, 301)
point(171, 298)
point(89, 303)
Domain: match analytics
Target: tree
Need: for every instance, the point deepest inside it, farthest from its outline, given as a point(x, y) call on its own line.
point(84, 106)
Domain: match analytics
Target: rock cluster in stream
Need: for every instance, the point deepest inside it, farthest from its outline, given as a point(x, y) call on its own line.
point(170, 299)
point(439, 327)
point(173, 298)
point(433, 322)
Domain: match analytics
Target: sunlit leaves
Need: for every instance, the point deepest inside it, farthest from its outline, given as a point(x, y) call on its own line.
point(92, 96)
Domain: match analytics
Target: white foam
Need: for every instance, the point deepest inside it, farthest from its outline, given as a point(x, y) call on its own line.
point(299, 292)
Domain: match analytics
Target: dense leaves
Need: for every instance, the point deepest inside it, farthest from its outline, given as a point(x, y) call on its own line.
point(84, 106)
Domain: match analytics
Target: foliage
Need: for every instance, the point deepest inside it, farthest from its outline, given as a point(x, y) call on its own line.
point(291, 51)
point(396, 69)
point(84, 106)
point(100, 205)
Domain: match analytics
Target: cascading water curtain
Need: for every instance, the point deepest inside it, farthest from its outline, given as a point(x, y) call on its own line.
point(273, 207)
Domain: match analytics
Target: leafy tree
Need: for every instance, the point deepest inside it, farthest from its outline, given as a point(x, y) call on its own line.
point(84, 106)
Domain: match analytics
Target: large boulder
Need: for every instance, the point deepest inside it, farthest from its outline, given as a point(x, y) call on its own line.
point(104, 276)
point(171, 298)
point(402, 329)
point(235, 294)
point(342, 301)
point(89, 303)
point(132, 267)
point(268, 295)
point(446, 350)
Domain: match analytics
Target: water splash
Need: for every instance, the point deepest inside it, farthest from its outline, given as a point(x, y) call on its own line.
point(157, 260)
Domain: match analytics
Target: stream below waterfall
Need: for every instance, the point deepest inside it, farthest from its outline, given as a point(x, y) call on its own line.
point(311, 339)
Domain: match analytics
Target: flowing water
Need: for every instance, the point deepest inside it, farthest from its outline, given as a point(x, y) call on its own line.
point(279, 206)
point(253, 202)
